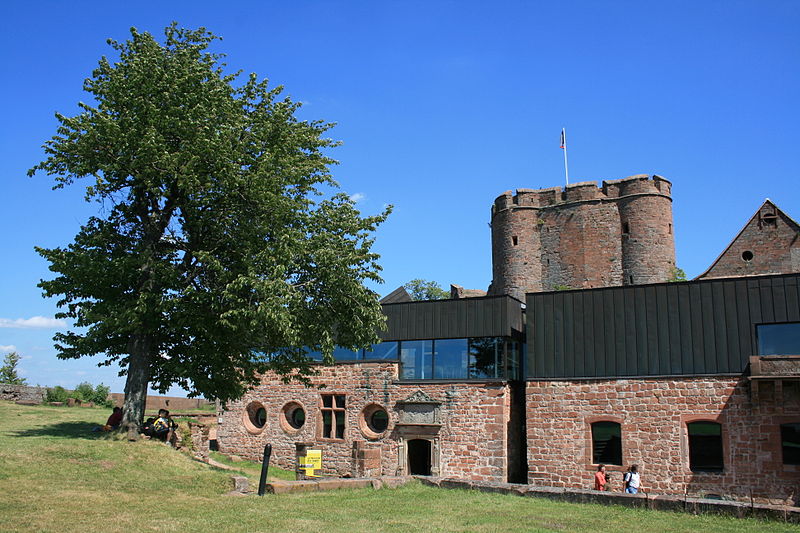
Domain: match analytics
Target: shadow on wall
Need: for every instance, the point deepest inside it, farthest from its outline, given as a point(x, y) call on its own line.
point(732, 451)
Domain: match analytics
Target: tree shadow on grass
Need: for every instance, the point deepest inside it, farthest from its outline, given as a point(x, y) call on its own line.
point(65, 430)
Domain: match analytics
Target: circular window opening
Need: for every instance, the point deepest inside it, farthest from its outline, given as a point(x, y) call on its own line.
point(255, 417)
point(294, 417)
point(374, 421)
point(747, 255)
point(379, 421)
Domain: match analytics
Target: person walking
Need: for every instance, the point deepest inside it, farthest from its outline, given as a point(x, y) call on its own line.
point(632, 480)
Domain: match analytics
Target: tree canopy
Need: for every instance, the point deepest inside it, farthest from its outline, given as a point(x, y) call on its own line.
point(420, 289)
point(215, 254)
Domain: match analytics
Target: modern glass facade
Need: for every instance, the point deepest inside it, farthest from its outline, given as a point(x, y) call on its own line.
point(471, 358)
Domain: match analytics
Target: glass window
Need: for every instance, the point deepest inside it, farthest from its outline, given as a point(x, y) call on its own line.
point(343, 354)
point(383, 350)
point(705, 446)
point(450, 359)
point(378, 421)
point(333, 416)
point(416, 358)
point(485, 357)
point(607, 443)
point(778, 339)
point(294, 414)
point(790, 443)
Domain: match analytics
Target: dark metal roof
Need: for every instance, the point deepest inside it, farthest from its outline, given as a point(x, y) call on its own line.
point(492, 316)
point(691, 328)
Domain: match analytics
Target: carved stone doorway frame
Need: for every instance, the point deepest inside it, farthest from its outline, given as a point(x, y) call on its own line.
point(419, 419)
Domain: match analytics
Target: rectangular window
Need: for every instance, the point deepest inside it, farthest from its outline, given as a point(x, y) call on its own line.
point(485, 357)
point(705, 447)
point(607, 443)
point(778, 339)
point(333, 416)
point(383, 350)
point(450, 359)
point(790, 443)
point(417, 359)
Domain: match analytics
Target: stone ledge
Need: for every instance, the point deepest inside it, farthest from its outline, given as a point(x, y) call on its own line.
point(285, 487)
point(782, 513)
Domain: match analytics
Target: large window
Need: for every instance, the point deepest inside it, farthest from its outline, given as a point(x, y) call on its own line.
point(333, 416)
point(778, 339)
point(790, 443)
point(417, 359)
point(607, 443)
point(383, 350)
point(705, 446)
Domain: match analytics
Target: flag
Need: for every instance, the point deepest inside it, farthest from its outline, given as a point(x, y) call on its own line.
point(563, 139)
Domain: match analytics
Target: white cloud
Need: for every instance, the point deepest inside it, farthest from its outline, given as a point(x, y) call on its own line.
point(358, 197)
point(8, 348)
point(34, 322)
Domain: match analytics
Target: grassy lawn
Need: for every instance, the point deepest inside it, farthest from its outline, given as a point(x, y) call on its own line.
point(57, 475)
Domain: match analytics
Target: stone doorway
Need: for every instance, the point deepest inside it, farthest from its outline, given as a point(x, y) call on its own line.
point(419, 457)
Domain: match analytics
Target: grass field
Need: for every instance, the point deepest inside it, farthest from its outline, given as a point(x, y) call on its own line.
point(57, 475)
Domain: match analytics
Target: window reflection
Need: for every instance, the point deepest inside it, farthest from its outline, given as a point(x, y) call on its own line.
point(417, 360)
point(383, 350)
point(450, 359)
point(778, 339)
point(485, 357)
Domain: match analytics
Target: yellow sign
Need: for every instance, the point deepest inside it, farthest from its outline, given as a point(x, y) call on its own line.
point(311, 461)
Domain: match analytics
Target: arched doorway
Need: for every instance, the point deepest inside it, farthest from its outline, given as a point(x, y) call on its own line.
point(419, 457)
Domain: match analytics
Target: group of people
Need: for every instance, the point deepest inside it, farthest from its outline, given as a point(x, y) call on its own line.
point(631, 481)
point(161, 427)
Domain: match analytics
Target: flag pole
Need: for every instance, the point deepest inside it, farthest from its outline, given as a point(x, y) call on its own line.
point(564, 147)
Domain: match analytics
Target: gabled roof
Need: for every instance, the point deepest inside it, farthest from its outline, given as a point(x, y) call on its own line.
point(399, 295)
point(767, 202)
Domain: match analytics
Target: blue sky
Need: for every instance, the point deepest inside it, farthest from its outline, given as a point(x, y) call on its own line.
point(442, 106)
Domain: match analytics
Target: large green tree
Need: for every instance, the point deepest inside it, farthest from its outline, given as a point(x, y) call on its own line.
point(216, 253)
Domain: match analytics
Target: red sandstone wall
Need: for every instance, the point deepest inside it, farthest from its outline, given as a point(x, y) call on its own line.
point(775, 248)
point(653, 414)
point(546, 238)
point(471, 441)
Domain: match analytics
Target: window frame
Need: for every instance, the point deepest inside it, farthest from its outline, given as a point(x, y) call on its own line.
point(704, 467)
point(717, 418)
point(333, 409)
point(591, 441)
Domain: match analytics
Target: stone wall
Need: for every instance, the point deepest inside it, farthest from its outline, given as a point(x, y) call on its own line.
point(768, 244)
point(170, 403)
point(468, 435)
point(22, 393)
point(653, 414)
point(583, 236)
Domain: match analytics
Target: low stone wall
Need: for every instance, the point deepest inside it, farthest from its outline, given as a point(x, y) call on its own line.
point(169, 403)
point(783, 513)
point(22, 393)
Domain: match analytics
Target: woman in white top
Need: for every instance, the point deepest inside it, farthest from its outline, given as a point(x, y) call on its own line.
point(632, 480)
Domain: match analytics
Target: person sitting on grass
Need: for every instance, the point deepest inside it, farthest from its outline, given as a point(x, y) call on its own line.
point(161, 428)
point(113, 422)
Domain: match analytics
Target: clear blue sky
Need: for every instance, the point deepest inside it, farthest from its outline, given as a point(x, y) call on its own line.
point(441, 106)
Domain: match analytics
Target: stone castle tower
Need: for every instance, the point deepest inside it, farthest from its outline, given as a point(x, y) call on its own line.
point(583, 236)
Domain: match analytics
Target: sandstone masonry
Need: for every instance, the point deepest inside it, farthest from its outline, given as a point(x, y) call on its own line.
point(583, 236)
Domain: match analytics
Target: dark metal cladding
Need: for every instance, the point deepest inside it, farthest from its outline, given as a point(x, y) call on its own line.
point(701, 327)
point(491, 316)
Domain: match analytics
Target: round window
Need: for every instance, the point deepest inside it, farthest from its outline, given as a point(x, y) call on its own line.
point(255, 417)
point(747, 255)
point(379, 421)
point(294, 417)
point(374, 421)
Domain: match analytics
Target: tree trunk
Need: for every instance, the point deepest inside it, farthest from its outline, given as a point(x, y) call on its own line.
point(136, 384)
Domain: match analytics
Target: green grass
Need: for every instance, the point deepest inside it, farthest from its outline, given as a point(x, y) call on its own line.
point(56, 475)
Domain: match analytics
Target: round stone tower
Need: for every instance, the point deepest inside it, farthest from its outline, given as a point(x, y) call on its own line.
point(582, 236)
point(648, 243)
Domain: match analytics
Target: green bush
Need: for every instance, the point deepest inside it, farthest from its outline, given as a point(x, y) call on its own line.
point(56, 394)
point(98, 395)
